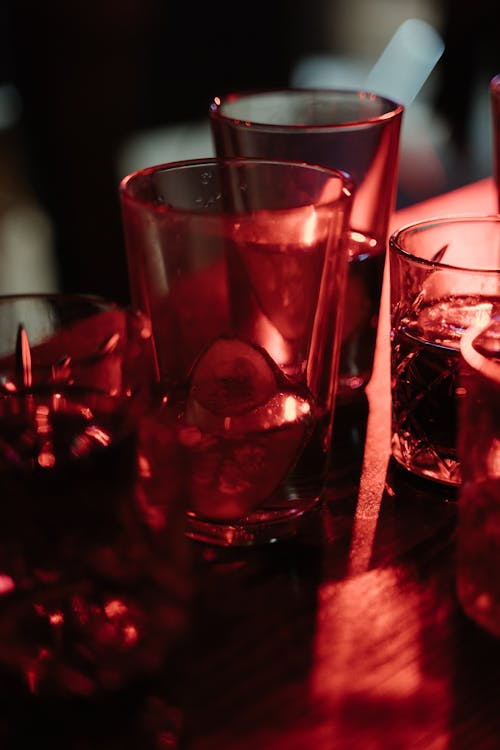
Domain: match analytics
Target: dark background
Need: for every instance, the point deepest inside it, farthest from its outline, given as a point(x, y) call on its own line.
point(89, 75)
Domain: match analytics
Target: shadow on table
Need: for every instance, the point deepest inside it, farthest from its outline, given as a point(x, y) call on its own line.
point(416, 518)
point(138, 717)
point(252, 637)
point(474, 720)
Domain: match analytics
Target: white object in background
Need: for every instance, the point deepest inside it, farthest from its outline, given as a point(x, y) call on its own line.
point(27, 263)
point(329, 71)
point(399, 73)
point(188, 140)
point(406, 62)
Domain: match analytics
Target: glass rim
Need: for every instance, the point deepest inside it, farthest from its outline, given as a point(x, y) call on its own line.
point(127, 182)
point(96, 303)
point(396, 246)
point(393, 111)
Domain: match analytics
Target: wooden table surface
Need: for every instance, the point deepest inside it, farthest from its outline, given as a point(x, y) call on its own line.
point(348, 637)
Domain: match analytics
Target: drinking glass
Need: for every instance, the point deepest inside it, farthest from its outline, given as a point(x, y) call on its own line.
point(444, 277)
point(478, 527)
point(93, 564)
point(241, 266)
point(355, 131)
point(495, 120)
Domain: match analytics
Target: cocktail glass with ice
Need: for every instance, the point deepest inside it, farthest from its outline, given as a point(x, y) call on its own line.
point(444, 278)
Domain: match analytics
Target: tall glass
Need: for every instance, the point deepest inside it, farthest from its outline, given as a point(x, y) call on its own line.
point(355, 131)
point(241, 266)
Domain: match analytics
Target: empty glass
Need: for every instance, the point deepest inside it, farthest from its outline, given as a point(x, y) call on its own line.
point(355, 131)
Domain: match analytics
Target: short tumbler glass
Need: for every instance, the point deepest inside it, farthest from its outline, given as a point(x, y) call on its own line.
point(355, 131)
point(241, 266)
point(93, 559)
point(478, 527)
point(444, 277)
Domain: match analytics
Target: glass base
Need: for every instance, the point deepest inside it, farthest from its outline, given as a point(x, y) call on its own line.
point(265, 526)
point(427, 463)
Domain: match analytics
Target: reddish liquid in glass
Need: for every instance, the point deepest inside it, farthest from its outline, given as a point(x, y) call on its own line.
point(255, 442)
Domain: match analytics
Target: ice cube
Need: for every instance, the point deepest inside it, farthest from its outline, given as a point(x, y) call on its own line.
point(445, 321)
